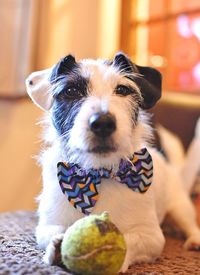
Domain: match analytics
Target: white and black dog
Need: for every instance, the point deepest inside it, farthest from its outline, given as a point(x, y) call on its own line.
point(96, 117)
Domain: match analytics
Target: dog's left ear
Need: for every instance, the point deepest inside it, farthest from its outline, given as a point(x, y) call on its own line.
point(148, 79)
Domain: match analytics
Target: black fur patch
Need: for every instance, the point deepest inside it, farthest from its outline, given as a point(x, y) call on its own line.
point(63, 67)
point(63, 115)
point(72, 80)
point(66, 106)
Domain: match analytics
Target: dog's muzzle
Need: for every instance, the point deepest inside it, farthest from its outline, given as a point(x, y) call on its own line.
point(102, 124)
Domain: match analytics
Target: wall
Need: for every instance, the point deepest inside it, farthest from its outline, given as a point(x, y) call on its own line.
point(20, 179)
point(86, 28)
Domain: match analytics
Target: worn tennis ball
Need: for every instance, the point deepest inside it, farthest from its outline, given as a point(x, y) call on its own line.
point(93, 245)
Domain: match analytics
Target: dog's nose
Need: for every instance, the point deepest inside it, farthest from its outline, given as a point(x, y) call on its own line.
point(102, 124)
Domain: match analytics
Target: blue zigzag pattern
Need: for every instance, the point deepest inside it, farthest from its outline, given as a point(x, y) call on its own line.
point(82, 187)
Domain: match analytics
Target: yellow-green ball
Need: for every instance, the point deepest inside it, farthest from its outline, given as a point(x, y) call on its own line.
point(93, 246)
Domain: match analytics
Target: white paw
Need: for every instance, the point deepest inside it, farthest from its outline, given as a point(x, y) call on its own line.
point(193, 242)
point(44, 234)
point(52, 253)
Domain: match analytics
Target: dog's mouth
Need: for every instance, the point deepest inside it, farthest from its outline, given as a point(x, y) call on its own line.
point(102, 146)
point(103, 149)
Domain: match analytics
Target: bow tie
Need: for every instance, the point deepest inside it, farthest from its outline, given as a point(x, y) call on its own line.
point(82, 187)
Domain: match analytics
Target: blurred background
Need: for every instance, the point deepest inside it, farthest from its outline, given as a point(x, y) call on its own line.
point(36, 33)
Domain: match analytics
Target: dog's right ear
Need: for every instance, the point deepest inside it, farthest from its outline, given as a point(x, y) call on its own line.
point(39, 84)
point(38, 88)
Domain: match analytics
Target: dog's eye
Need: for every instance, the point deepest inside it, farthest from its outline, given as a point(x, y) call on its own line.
point(72, 92)
point(123, 90)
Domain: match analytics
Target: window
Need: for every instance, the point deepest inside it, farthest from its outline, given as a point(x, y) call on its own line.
point(165, 34)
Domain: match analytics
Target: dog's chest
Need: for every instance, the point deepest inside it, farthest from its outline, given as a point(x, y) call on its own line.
point(125, 206)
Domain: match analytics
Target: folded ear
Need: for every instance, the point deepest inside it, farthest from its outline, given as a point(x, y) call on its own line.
point(39, 84)
point(150, 84)
point(148, 79)
point(38, 88)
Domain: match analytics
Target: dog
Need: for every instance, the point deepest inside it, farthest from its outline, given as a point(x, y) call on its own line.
point(96, 115)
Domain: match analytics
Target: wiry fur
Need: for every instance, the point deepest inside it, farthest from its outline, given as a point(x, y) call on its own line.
point(137, 216)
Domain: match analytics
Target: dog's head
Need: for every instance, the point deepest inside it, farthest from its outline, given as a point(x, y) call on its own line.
point(96, 106)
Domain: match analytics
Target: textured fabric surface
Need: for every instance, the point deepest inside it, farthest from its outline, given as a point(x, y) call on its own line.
point(19, 253)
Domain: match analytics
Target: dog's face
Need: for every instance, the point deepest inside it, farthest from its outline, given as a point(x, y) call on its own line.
point(95, 106)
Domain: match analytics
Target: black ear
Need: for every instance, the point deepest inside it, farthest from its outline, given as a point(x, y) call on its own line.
point(147, 79)
point(64, 66)
point(123, 63)
point(150, 84)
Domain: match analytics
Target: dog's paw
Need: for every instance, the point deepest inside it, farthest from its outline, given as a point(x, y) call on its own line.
point(53, 255)
point(193, 243)
point(44, 234)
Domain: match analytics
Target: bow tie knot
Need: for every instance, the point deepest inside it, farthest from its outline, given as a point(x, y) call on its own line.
point(82, 187)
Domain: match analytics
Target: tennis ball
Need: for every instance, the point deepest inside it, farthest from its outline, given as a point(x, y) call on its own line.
point(93, 245)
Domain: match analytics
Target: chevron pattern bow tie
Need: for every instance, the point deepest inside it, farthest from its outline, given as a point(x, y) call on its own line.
point(82, 187)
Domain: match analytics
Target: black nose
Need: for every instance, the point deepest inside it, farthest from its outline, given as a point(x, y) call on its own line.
point(102, 124)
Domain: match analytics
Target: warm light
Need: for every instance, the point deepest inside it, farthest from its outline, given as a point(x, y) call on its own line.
point(109, 27)
point(158, 61)
point(183, 26)
point(142, 45)
point(196, 72)
point(195, 26)
point(142, 12)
